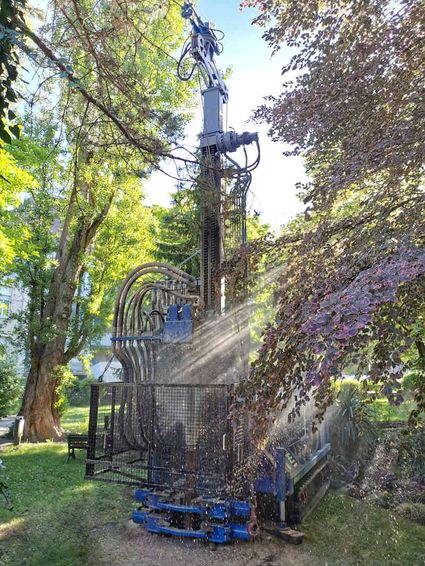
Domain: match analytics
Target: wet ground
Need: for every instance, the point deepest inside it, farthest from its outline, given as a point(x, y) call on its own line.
point(128, 544)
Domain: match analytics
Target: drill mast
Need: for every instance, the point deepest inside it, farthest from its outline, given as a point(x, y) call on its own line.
point(215, 144)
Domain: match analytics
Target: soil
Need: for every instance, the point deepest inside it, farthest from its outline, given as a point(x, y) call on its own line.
point(128, 544)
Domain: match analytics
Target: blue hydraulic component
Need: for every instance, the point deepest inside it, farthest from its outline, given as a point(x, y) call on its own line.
point(186, 312)
point(178, 326)
point(157, 510)
point(241, 508)
point(187, 10)
point(173, 313)
point(264, 484)
point(208, 506)
point(241, 532)
point(277, 480)
point(215, 533)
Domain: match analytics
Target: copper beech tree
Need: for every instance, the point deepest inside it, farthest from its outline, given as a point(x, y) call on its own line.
point(352, 289)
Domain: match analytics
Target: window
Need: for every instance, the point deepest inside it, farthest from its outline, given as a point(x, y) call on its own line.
point(5, 301)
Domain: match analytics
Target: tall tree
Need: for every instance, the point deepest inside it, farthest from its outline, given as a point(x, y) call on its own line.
point(122, 241)
point(354, 277)
point(122, 108)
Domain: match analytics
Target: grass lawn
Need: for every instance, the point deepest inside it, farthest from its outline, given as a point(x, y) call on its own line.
point(57, 518)
point(54, 508)
point(343, 531)
point(381, 410)
point(76, 419)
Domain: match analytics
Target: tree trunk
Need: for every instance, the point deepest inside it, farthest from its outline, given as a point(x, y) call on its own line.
point(50, 350)
point(38, 405)
point(42, 420)
point(420, 346)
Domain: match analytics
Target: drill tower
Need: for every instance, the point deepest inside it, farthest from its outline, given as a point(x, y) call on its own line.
point(215, 144)
point(169, 427)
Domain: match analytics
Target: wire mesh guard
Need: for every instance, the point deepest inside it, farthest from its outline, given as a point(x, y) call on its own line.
point(176, 437)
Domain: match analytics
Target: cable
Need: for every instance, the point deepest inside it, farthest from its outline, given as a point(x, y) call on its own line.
point(100, 378)
point(189, 258)
point(185, 51)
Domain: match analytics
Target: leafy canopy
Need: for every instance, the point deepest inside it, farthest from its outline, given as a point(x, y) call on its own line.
point(352, 287)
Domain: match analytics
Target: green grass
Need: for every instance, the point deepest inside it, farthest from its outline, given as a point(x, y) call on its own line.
point(57, 514)
point(76, 419)
point(346, 532)
point(54, 508)
point(381, 410)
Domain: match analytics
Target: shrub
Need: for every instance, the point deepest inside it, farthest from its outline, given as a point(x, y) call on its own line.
point(375, 386)
point(10, 385)
point(345, 384)
point(80, 394)
point(412, 453)
point(348, 387)
point(410, 381)
point(66, 380)
point(351, 427)
point(385, 499)
point(413, 511)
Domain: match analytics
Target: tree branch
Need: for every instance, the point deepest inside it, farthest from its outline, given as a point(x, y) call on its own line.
point(156, 150)
point(75, 83)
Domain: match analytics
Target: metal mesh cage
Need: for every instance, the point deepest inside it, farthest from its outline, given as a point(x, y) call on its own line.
point(164, 436)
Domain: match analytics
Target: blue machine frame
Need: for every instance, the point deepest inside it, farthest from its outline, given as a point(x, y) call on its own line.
point(223, 520)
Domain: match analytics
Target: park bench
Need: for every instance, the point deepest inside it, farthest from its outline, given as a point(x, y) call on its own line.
point(76, 441)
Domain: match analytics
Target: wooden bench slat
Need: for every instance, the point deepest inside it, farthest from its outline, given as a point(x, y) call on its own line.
point(76, 441)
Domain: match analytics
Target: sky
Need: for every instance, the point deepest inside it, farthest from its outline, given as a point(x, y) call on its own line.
point(255, 74)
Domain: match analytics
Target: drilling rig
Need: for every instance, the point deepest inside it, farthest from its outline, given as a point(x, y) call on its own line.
point(169, 427)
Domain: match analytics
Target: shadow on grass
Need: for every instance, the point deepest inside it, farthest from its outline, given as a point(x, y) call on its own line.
point(54, 508)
